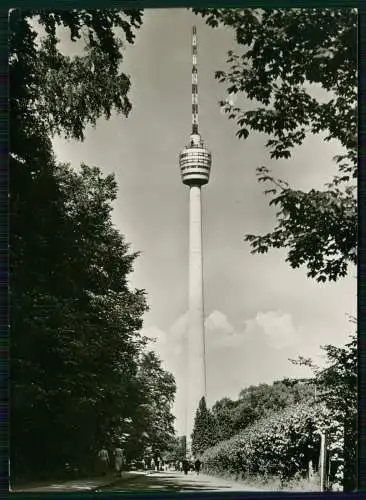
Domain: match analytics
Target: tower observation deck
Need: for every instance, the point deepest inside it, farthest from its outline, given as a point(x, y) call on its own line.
point(195, 162)
point(195, 165)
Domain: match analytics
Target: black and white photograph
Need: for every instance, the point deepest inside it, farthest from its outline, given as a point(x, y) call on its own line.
point(183, 243)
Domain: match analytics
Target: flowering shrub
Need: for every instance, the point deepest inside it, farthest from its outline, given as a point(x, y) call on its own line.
point(281, 444)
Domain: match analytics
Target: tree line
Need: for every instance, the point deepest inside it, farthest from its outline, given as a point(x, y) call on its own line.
point(81, 374)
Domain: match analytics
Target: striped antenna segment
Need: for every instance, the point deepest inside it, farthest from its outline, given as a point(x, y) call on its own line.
point(194, 83)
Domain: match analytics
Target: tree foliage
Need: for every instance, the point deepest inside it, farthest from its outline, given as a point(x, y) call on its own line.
point(75, 322)
point(80, 376)
point(223, 413)
point(254, 402)
point(203, 435)
point(177, 450)
point(337, 389)
point(159, 392)
point(337, 383)
point(277, 445)
point(283, 55)
point(66, 94)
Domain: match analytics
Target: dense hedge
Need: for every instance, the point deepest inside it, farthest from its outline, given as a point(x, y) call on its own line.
point(279, 445)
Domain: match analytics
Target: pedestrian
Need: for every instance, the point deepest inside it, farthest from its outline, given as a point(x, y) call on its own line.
point(197, 466)
point(185, 465)
point(118, 460)
point(152, 464)
point(104, 460)
point(180, 466)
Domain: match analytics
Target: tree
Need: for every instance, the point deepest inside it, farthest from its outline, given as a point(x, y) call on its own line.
point(337, 388)
point(255, 402)
point(286, 53)
point(66, 94)
point(203, 436)
point(223, 413)
point(156, 419)
point(51, 93)
point(177, 450)
point(75, 327)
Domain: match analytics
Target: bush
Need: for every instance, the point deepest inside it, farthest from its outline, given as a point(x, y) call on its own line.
point(280, 445)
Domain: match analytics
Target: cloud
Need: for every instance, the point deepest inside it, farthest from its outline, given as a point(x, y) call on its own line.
point(218, 321)
point(277, 327)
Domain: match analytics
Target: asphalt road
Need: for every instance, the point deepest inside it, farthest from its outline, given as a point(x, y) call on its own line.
point(176, 481)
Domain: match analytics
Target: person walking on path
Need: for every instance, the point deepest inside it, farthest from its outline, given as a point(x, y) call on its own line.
point(118, 460)
point(104, 460)
point(185, 466)
point(197, 466)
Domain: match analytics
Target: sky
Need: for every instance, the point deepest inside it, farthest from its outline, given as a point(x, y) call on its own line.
point(259, 312)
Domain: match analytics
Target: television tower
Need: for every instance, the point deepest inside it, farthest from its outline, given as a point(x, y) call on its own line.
point(195, 165)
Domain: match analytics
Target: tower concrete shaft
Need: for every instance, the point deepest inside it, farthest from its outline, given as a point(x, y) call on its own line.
point(196, 335)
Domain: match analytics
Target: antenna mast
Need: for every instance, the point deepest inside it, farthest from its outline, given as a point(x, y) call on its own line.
point(194, 83)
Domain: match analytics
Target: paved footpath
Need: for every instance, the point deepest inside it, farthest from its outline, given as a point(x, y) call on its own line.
point(176, 481)
point(80, 484)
